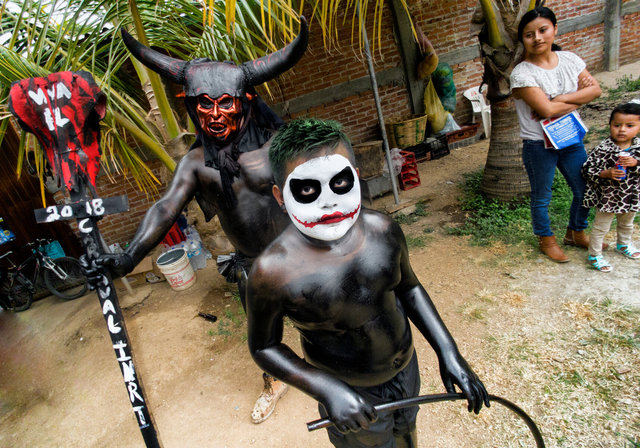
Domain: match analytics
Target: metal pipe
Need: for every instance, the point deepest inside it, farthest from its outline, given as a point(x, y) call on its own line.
point(376, 96)
point(423, 399)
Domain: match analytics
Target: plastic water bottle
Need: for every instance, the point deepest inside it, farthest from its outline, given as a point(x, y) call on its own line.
point(196, 256)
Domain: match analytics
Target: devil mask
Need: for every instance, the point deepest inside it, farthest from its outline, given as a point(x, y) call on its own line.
point(322, 197)
point(214, 79)
point(218, 96)
point(219, 118)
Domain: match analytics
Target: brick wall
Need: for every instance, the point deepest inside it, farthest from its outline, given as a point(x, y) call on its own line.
point(448, 26)
point(120, 228)
point(319, 69)
point(630, 47)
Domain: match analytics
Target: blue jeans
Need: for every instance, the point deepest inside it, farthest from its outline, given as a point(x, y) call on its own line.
point(541, 163)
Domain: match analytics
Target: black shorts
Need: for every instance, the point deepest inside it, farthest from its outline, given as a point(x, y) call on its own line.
point(389, 425)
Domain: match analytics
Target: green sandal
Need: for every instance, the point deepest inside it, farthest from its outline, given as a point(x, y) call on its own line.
point(599, 263)
point(628, 251)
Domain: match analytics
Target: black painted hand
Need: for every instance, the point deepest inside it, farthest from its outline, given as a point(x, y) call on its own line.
point(349, 411)
point(118, 265)
point(454, 370)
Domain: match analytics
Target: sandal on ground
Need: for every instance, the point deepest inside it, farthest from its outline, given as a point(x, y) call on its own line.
point(266, 403)
point(628, 251)
point(599, 263)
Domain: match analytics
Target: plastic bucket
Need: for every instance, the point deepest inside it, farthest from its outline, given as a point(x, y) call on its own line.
point(175, 266)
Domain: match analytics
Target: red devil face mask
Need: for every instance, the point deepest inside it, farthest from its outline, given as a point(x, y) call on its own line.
point(219, 118)
point(63, 111)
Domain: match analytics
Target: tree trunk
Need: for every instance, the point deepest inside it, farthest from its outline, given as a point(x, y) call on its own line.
point(504, 175)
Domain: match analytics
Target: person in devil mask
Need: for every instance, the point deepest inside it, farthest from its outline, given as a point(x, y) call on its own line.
point(226, 170)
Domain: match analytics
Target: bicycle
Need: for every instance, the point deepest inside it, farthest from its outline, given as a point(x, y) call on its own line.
point(63, 277)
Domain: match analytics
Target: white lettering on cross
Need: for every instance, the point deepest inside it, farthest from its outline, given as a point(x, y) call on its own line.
point(120, 346)
point(62, 91)
point(113, 327)
point(105, 293)
point(108, 306)
point(128, 372)
point(133, 392)
point(39, 97)
point(138, 411)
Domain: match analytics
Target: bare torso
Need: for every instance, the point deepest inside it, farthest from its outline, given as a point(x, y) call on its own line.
point(255, 219)
point(341, 299)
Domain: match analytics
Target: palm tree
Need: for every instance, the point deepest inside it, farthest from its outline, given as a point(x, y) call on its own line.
point(45, 36)
point(504, 176)
point(48, 36)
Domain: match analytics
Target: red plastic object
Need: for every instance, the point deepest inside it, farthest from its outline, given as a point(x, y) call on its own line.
point(409, 177)
point(173, 236)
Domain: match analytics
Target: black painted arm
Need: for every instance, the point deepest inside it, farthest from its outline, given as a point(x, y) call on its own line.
point(454, 370)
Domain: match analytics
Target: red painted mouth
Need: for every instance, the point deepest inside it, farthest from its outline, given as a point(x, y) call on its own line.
point(329, 219)
point(217, 127)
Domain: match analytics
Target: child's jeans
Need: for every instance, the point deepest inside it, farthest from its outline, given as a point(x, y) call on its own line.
point(601, 226)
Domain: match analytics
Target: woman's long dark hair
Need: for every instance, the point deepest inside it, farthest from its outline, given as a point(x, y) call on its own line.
point(530, 16)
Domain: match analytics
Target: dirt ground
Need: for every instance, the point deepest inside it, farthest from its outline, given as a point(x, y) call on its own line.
point(521, 321)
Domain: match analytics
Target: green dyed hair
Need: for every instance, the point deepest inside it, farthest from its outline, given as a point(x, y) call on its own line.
point(304, 137)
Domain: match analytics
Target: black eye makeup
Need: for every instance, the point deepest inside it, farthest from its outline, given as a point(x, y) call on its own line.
point(305, 191)
point(342, 183)
point(205, 102)
point(226, 103)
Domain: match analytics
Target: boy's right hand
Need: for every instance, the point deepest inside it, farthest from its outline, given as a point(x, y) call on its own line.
point(349, 411)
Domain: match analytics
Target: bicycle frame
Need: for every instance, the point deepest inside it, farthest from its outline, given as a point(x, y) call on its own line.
point(41, 260)
point(22, 267)
point(48, 263)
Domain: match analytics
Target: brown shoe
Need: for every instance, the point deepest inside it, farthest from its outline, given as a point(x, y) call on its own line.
point(578, 238)
point(550, 248)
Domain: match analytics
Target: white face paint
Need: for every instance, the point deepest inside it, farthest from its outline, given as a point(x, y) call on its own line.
point(322, 197)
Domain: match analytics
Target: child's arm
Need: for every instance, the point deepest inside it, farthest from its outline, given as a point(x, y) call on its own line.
point(595, 167)
point(421, 311)
point(347, 409)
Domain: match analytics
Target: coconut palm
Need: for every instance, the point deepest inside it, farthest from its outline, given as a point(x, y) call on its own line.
point(45, 36)
point(39, 37)
point(504, 175)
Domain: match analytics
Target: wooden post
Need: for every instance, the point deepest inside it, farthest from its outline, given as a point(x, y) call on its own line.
point(409, 55)
point(612, 35)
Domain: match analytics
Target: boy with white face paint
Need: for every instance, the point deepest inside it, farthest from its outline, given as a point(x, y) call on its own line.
point(323, 197)
point(342, 275)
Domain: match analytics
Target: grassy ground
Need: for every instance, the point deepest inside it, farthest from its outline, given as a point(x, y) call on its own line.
point(573, 363)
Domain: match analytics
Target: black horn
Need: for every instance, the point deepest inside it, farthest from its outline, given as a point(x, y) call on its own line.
point(268, 67)
point(162, 64)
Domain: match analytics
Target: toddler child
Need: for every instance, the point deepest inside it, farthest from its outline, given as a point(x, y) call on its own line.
point(613, 184)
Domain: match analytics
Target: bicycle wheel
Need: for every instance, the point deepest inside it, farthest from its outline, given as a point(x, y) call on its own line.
point(19, 293)
point(74, 283)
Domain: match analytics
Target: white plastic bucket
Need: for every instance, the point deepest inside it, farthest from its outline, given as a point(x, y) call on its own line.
point(175, 266)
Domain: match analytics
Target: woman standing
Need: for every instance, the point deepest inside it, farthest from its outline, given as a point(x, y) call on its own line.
point(550, 83)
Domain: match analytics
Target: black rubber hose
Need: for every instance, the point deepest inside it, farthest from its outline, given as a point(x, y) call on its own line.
point(435, 398)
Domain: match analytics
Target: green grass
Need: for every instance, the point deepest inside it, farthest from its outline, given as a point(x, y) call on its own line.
point(492, 220)
point(419, 212)
point(623, 85)
point(597, 134)
point(415, 241)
